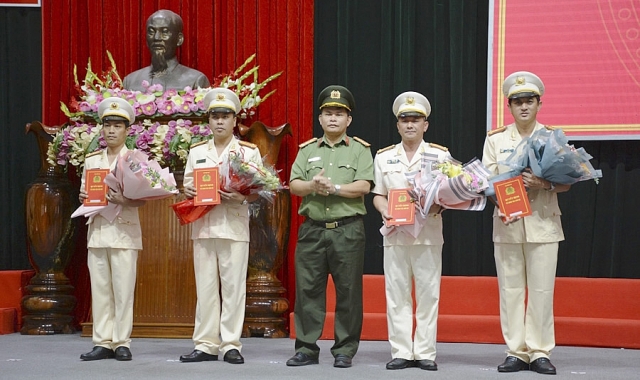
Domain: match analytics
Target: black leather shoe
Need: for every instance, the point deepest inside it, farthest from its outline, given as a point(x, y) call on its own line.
point(513, 364)
point(426, 364)
point(543, 366)
point(300, 359)
point(123, 353)
point(198, 356)
point(233, 357)
point(342, 361)
point(399, 363)
point(98, 353)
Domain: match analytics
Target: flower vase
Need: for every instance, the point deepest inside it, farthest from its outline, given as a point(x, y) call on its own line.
point(50, 200)
point(269, 227)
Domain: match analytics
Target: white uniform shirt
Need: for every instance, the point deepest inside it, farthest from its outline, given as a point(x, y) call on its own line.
point(544, 225)
point(227, 220)
point(125, 231)
point(390, 167)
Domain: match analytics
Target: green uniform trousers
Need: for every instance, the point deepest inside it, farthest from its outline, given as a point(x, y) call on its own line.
point(340, 252)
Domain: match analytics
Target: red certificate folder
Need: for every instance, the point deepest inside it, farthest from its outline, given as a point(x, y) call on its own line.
point(207, 184)
point(400, 207)
point(512, 197)
point(95, 187)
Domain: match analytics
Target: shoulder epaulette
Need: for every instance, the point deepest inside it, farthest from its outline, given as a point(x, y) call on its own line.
point(247, 144)
point(198, 144)
point(361, 141)
point(386, 149)
point(93, 153)
point(444, 148)
point(498, 130)
point(310, 141)
point(550, 127)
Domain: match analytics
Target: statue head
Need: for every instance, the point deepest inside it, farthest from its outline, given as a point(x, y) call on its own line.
point(164, 35)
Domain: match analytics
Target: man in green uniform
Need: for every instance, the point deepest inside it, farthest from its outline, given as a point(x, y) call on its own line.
point(331, 174)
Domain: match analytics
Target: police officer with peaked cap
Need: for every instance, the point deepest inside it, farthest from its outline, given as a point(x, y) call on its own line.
point(220, 238)
point(112, 246)
point(331, 174)
point(115, 108)
point(525, 249)
point(410, 260)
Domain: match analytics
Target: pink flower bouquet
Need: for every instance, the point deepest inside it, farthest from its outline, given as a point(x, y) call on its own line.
point(139, 178)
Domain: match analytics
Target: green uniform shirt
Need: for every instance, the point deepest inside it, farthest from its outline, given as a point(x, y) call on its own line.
point(347, 161)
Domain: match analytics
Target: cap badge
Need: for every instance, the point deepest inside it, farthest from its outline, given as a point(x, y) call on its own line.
point(410, 100)
point(114, 106)
point(520, 81)
point(335, 94)
point(220, 96)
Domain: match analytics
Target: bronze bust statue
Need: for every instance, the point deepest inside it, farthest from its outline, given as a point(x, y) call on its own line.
point(164, 35)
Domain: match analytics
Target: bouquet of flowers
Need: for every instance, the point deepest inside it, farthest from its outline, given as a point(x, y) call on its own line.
point(449, 184)
point(139, 178)
point(248, 177)
point(547, 153)
point(445, 183)
point(245, 177)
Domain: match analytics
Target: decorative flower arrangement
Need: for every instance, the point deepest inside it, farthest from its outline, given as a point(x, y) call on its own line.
point(167, 142)
point(155, 102)
point(248, 93)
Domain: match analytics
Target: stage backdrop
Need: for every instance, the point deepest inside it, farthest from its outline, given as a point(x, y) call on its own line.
point(219, 36)
point(587, 53)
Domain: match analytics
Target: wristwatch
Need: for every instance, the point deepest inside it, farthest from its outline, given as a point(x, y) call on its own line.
point(551, 186)
point(337, 187)
point(245, 201)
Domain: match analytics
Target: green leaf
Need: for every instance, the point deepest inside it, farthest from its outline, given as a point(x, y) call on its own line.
point(94, 144)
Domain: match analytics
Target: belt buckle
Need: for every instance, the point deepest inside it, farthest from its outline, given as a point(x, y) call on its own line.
point(331, 225)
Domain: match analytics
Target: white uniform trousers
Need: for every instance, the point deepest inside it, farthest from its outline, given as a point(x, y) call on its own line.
point(221, 270)
point(404, 265)
point(527, 271)
point(113, 280)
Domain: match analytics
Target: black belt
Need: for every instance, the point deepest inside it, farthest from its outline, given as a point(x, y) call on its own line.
point(335, 223)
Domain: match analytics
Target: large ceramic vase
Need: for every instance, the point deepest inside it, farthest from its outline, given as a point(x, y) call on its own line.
point(50, 200)
point(269, 225)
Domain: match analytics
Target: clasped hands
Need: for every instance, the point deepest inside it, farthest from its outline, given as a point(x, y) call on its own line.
point(322, 185)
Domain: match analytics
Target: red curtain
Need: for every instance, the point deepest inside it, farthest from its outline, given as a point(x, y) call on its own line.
point(219, 36)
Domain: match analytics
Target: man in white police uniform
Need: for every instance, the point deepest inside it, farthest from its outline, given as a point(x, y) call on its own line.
point(407, 258)
point(525, 249)
point(220, 239)
point(112, 247)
